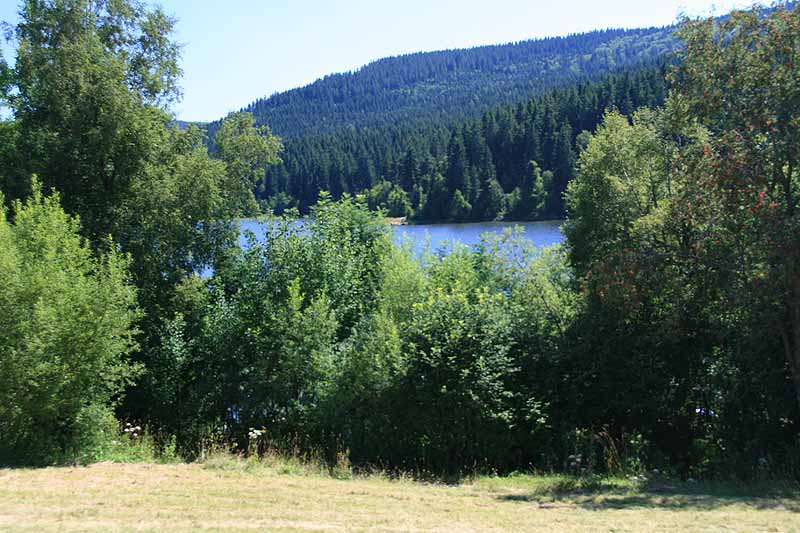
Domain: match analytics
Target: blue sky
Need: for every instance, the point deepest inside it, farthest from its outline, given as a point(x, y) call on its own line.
point(236, 50)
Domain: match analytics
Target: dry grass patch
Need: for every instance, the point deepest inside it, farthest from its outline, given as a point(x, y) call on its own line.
point(174, 498)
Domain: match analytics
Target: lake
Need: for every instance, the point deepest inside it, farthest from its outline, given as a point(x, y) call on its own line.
point(545, 233)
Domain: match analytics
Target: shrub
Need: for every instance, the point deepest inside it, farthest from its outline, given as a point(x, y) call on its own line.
point(66, 325)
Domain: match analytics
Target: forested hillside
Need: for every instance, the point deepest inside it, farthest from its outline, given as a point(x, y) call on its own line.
point(407, 130)
point(513, 162)
point(477, 134)
point(450, 84)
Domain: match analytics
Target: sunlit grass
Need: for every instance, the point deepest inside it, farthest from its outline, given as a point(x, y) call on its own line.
point(278, 494)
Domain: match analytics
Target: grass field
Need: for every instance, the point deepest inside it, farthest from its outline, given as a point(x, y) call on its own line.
point(233, 496)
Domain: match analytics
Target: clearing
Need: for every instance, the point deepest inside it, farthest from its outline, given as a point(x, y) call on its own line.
point(192, 497)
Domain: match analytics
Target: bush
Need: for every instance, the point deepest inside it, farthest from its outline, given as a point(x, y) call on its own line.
point(457, 401)
point(66, 325)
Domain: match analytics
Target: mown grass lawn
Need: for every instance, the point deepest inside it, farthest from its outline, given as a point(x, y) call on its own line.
point(194, 497)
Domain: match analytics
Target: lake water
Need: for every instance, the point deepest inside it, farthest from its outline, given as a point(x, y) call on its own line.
point(542, 234)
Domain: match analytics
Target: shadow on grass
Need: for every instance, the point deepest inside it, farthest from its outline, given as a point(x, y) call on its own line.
point(599, 494)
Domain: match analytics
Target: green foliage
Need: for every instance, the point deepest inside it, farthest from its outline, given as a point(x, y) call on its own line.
point(394, 200)
point(684, 234)
point(665, 333)
point(246, 151)
point(458, 400)
point(67, 326)
point(623, 188)
point(744, 188)
point(87, 83)
point(89, 93)
point(175, 223)
point(100, 437)
point(460, 208)
point(262, 351)
point(404, 283)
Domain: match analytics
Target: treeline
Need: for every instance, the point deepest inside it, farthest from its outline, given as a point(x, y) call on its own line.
point(512, 163)
point(445, 86)
point(664, 334)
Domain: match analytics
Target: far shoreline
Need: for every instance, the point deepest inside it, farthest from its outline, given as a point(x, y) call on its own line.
point(405, 221)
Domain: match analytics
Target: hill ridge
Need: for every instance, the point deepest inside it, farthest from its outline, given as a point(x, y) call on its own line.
point(452, 83)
